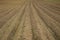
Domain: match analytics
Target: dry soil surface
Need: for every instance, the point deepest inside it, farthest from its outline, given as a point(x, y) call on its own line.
point(29, 20)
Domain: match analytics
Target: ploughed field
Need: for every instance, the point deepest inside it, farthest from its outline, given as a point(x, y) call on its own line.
point(29, 20)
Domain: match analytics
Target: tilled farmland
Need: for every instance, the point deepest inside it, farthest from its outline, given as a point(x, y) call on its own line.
point(29, 20)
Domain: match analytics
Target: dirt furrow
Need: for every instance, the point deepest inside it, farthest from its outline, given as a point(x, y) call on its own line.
point(8, 27)
point(53, 25)
point(43, 32)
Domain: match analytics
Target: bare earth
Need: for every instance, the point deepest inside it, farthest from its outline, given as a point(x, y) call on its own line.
point(29, 20)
